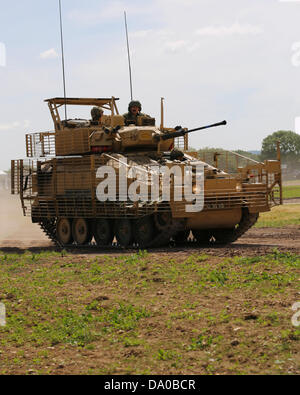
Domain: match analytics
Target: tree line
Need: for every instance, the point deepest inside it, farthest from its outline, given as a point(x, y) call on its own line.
point(289, 146)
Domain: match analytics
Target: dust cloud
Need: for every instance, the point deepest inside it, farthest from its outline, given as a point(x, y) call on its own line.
point(15, 229)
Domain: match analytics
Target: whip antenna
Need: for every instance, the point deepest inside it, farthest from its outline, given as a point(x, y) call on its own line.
point(128, 51)
point(63, 58)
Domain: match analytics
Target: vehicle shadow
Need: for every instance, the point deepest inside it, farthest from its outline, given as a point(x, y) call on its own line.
point(193, 247)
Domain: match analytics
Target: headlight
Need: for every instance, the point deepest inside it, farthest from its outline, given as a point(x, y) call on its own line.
point(196, 190)
point(239, 187)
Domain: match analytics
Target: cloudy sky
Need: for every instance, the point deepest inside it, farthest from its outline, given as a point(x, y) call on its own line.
point(211, 60)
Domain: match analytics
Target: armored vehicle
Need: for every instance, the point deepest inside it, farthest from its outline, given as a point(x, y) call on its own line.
point(101, 181)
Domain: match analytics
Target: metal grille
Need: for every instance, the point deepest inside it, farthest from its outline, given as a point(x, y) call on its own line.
point(40, 145)
point(181, 143)
point(227, 161)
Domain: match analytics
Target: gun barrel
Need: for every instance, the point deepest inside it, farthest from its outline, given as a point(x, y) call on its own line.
point(182, 132)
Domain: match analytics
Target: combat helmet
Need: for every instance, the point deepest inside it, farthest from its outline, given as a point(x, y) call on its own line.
point(135, 103)
point(96, 113)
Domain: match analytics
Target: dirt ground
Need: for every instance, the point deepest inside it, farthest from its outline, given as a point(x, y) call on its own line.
point(15, 229)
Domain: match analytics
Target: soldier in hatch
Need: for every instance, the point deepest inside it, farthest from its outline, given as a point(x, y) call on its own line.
point(134, 111)
point(96, 114)
point(176, 154)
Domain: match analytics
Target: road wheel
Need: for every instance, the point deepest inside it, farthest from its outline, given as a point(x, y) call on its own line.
point(103, 232)
point(182, 237)
point(144, 231)
point(163, 220)
point(64, 231)
point(224, 236)
point(123, 232)
point(202, 236)
point(81, 231)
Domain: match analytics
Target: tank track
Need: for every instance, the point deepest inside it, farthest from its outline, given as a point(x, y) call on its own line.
point(49, 228)
point(162, 239)
point(227, 236)
point(247, 222)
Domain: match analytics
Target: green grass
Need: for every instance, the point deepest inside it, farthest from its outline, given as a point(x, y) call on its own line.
point(290, 183)
point(290, 192)
point(149, 314)
point(280, 216)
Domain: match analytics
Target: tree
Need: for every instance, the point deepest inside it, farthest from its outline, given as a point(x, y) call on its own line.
point(289, 145)
point(226, 160)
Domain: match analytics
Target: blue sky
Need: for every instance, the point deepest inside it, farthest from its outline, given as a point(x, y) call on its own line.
point(210, 59)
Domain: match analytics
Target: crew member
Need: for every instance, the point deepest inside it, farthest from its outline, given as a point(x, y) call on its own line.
point(96, 114)
point(134, 111)
point(176, 154)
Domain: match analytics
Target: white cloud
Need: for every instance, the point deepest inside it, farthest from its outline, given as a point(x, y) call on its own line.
point(14, 125)
point(175, 46)
point(27, 123)
point(112, 10)
point(235, 29)
point(9, 126)
point(49, 54)
point(162, 35)
point(193, 47)
point(140, 34)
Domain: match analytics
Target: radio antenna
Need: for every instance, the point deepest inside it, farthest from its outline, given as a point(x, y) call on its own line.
point(63, 58)
point(128, 51)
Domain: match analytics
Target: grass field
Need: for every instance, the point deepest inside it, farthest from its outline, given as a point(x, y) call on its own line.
point(280, 216)
point(290, 192)
point(291, 183)
point(149, 314)
point(152, 313)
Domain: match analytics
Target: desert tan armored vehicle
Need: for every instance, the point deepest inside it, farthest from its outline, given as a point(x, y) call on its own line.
point(78, 183)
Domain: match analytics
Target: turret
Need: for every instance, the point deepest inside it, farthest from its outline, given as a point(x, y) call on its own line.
point(103, 132)
point(122, 138)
